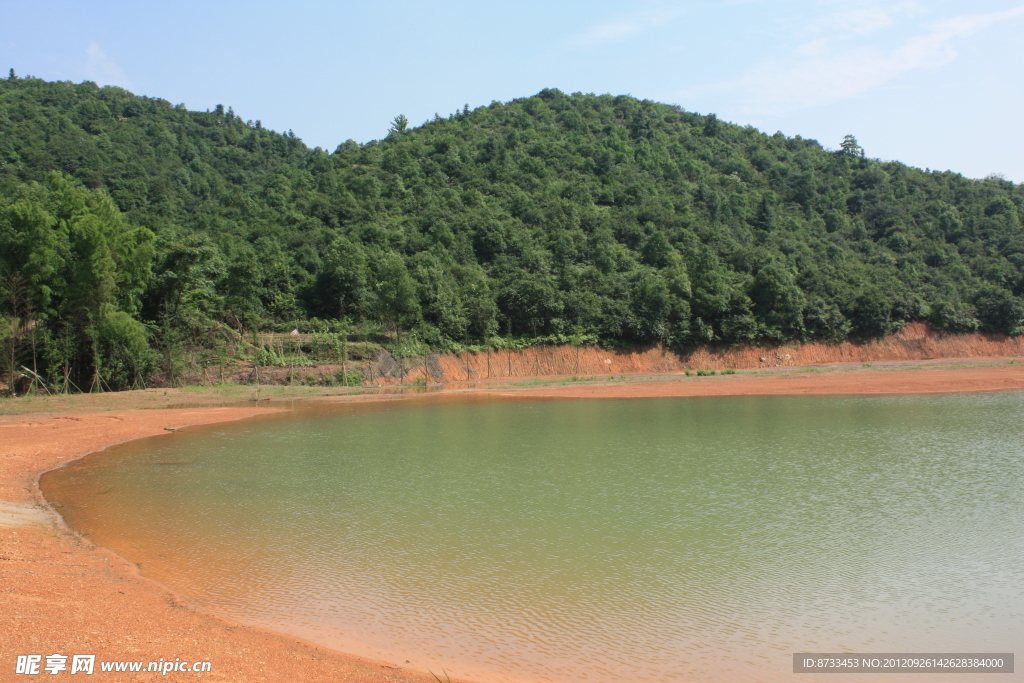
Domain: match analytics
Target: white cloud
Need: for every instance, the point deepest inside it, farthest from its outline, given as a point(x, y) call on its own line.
point(102, 69)
point(604, 33)
point(820, 72)
point(613, 31)
point(868, 18)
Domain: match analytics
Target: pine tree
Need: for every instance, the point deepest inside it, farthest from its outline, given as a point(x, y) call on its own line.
point(399, 125)
point(850, 146)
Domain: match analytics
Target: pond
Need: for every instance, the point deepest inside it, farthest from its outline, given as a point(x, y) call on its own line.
point(588, 540)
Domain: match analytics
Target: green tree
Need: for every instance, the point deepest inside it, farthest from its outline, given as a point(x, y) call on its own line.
point(999, 310)
point(541, 215)
point(850, 147)
point(399, 125)
point(184, 291)
point(396, 303)
point(651, 303)
point(778, 302)
point(83, 262)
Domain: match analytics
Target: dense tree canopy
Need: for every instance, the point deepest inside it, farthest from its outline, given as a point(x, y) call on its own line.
point(628, 220)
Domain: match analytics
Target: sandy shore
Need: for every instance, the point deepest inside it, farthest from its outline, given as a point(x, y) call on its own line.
point(896, 378)
point(61, 594)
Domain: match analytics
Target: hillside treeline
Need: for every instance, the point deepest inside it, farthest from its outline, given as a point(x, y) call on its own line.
point(130, 227)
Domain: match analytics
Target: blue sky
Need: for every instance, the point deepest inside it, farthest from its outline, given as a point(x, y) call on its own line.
point(935, 83)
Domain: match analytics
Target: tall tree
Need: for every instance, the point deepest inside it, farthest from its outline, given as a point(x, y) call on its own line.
point(850, 147)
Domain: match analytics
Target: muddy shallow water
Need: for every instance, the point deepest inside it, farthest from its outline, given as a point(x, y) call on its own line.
point(656, 539)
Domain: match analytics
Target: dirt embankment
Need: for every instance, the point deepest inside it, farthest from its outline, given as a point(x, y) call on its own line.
point(917, 341)
point(377, 367)
point(915, 378)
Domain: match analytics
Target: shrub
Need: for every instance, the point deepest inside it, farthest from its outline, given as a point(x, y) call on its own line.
point(353, 379)
point(127, 359)
point(266, 357)
point(999, 310)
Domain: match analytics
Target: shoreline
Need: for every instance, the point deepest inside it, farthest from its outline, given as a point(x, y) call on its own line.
point(915, 377)
point(63, 594)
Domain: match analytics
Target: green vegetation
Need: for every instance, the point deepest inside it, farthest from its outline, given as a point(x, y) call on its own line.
point(134, 233)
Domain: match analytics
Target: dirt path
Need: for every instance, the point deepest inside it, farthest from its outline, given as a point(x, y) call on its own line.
point(904, 378)
point(61, 594)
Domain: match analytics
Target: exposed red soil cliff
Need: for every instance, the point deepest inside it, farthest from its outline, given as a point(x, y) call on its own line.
point(917, 341)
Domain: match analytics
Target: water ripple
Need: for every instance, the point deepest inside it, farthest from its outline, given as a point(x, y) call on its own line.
point(660, 540)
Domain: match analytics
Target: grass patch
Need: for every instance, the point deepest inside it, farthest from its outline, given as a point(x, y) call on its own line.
point(536, 382)
point(218, 394)
point(561, 381)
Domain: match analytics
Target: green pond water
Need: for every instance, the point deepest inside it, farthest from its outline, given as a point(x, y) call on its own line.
point(589, 540)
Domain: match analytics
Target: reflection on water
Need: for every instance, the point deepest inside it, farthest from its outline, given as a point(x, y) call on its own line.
point(646, 540)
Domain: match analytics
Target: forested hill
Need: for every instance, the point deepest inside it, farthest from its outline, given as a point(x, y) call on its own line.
point(608, 217)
